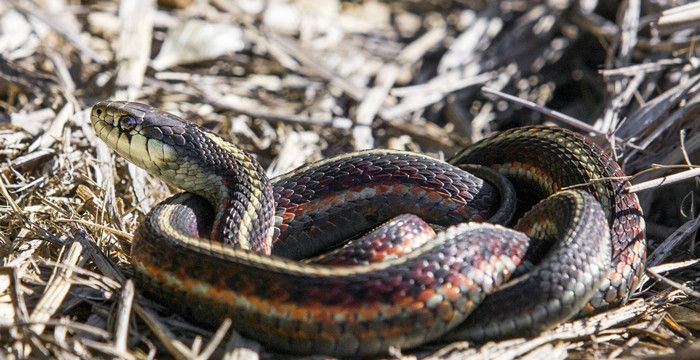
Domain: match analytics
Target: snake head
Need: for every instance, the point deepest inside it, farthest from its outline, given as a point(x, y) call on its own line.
point(171, 148)
point(146, 136)
point(159, 142)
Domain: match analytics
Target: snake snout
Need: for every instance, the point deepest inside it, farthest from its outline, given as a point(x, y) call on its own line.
point(100, 116)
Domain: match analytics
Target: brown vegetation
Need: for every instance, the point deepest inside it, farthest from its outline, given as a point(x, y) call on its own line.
point(298, 81)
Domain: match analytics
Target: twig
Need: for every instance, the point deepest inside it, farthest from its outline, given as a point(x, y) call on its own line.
point(674, 265)
point(286, 118)
point(630, 28)
point(370, 105)
point(58, 287)
point(121, 327)
point(166, 337)
point(305, 58)
point(664, 181)
point(679, 17)
point(68, 34)
point(664, 249)
point(647, 67)
point(639, 120)
point(566, 119)
point(674, 284)
point(415, 50)
point(113, 231)
point(10, 201)
point(215, 340)
point(134, 46)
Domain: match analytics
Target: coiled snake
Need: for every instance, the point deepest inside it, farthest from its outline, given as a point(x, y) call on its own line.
point(233, 249)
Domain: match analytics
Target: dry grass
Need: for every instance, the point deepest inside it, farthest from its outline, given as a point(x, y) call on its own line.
point(299, 81)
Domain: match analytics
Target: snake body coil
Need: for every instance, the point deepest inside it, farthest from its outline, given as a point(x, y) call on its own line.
point(240, 266)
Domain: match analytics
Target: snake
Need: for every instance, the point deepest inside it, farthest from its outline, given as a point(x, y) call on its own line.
point(234, 244)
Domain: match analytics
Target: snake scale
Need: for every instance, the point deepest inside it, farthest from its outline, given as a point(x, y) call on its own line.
point(231, 246)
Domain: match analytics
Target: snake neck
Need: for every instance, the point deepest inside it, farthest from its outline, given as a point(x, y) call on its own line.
point(229, 178)
point(236, 184)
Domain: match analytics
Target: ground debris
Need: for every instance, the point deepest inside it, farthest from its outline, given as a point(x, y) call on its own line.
point(297, 81)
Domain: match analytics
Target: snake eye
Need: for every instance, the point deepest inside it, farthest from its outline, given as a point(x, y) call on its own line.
point(127, 123)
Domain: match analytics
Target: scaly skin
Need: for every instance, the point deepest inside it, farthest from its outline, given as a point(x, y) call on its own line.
point(541, 160)
point(363, 310)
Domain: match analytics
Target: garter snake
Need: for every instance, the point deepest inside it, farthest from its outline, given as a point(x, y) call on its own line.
point(244, 266)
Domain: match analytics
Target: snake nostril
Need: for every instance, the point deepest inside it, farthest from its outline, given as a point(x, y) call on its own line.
point(98, 112)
